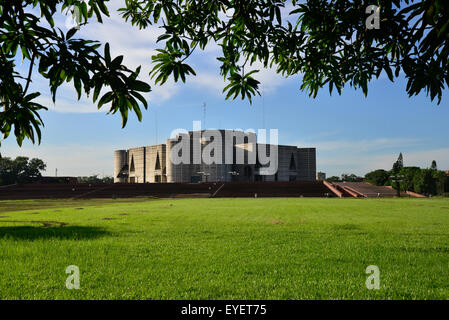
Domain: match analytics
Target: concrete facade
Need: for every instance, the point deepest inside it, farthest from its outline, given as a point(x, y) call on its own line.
point(235, 160)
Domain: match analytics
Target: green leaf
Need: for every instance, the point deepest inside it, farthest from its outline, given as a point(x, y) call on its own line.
point(107, 54)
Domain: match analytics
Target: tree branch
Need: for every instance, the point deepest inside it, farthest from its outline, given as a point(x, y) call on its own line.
point(30, 73)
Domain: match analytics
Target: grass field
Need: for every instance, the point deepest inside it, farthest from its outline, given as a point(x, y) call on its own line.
point(225, 248)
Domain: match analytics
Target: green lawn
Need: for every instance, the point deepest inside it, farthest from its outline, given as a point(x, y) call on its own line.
point(225, 248)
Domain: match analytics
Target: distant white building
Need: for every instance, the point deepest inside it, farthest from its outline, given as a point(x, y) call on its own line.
point(155, 163)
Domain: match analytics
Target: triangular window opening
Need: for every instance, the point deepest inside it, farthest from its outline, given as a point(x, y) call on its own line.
point(292, 163)
point(132, 164)
point(158, 163)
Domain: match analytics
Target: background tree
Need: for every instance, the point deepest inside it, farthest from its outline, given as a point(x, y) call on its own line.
point(398, 165)
point(446, 184)
point(350, 177)
point(95, 179)
point(20, 170)
point(433, 166)
point(377, 177)
point(408, 174)
point(425, 183)
point(333, 179)
point(327, 42)
point(440, 181)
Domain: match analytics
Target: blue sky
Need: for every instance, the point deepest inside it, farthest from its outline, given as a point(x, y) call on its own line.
point(352, 134)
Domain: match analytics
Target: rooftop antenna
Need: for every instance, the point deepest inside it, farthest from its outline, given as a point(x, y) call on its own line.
point(204, 115)
point(155, 119)
point(263, 107)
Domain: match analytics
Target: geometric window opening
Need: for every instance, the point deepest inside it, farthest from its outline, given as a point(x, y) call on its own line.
point(292, 163)
point(132, 169)
point(158, 163)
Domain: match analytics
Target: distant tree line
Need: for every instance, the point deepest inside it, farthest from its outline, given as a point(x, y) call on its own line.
point(95, 179)
point(345, 177)
point(20, 170)
point(429, 181)
point(24, 170)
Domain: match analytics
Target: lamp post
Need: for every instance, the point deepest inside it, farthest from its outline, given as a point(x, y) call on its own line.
point(398, 180)
point(204, 174)
point(234, 174)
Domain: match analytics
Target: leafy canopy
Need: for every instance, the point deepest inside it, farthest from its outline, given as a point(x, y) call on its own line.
point(59, 57)
point(327, 42)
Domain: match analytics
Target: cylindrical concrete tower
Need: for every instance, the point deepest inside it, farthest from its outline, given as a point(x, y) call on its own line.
point(120, 160)
point(169, 166)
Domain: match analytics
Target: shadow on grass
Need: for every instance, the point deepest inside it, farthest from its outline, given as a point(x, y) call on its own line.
point(54, 232)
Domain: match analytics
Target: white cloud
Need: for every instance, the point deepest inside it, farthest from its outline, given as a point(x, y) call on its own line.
point(269, 79)
point(64, 105)
point(211, 81)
